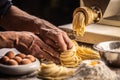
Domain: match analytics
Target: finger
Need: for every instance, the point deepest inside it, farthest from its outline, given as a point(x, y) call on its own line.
point(47, 56)
point(67, 40)
point(61, 43)
point(57, 37)
point(41, 54)
point(51, 43)
point(47, 48)
point(22, 48)
point(34, 49)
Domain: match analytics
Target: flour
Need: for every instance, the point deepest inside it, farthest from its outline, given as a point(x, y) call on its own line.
point(116, 50)
point(94, 72)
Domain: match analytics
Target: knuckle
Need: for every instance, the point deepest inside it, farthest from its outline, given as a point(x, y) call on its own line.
point(46, 41)
point(63, 48)
point(58, 35)
point(64, 33)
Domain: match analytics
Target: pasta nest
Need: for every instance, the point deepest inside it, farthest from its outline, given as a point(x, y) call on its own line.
point(74, 56)
point(52, 71)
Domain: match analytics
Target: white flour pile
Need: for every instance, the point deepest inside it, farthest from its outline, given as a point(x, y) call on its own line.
point(94, 70)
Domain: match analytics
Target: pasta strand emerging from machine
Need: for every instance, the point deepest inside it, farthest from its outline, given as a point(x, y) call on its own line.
point(83, 16)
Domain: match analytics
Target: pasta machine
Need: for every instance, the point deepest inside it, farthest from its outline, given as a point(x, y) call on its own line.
point(108, 28)
point(110, 10)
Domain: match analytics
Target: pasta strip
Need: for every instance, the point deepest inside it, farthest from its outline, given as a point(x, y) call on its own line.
point(83, 16)
point(73, 57)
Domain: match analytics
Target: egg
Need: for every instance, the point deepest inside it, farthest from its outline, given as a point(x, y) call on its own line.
point(12, 62)
point(30, 57)
point(25, 61)
point(10, 54)
point(93, 63)
point(4, 59)
point(18, 59)
point(21, 55)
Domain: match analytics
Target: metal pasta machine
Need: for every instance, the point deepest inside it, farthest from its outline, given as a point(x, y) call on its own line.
point(106, 27)
point(110, 10)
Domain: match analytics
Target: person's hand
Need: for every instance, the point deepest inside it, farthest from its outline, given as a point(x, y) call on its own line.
point(19, 20)
point(28, 43)
point(54, 36)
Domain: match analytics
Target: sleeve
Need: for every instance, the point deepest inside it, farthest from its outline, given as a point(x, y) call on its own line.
point(4, 6)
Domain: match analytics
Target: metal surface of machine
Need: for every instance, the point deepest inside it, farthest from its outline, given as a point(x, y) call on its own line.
point(108, 27)
point(110, 10)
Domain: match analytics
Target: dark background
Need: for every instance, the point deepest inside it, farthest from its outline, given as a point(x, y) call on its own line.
point(58, 12)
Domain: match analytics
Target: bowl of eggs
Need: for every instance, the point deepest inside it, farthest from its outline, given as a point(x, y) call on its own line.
point(18, 64)
point(109, 52)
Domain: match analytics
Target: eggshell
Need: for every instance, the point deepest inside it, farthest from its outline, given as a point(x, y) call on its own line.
point(25, 61)
point(21, 55)
point(10, 54)
point(4, 59)
point(12, 62)
point(30, 57)
point(18, 59)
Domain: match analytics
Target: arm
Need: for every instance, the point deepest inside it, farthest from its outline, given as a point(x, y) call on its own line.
point(18, 20)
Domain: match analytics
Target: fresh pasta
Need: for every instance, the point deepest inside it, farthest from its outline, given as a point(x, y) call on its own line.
point(52, 71)
point(73, 57)
point(81, 17)
point(69, 58)
point(87, 53)
point(79, 23)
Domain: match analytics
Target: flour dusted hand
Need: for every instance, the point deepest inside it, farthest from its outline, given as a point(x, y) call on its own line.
point(28, 43)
